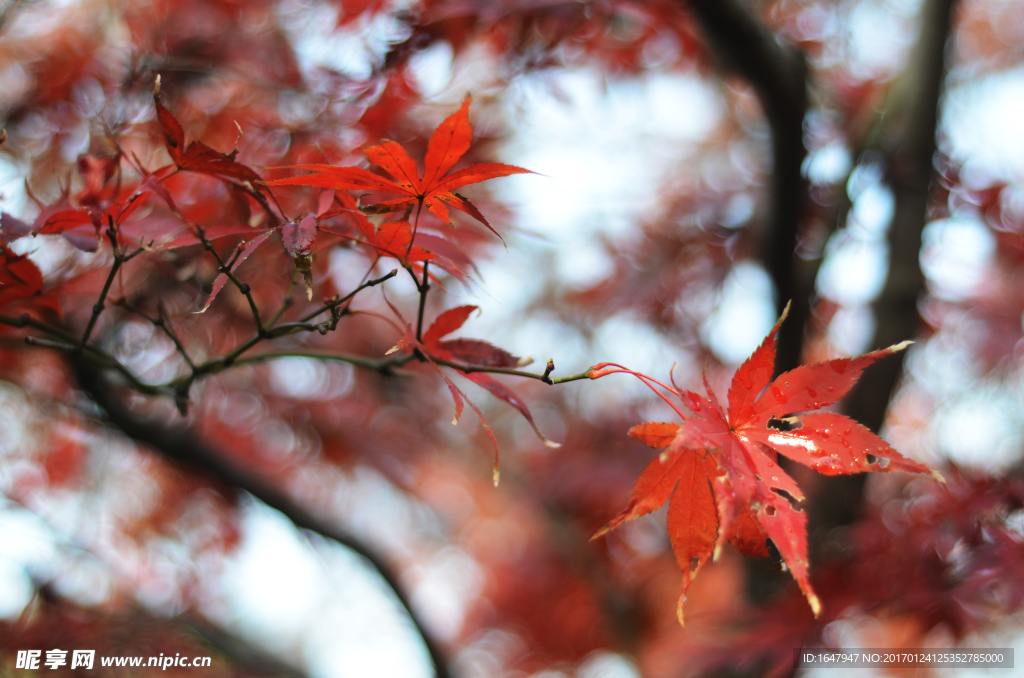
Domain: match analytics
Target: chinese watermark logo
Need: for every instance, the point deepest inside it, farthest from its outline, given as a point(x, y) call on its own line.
point(32, 660)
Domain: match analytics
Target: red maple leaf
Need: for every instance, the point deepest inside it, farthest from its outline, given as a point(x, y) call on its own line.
point(720, 467)
point(468, 351)
point(198, 157)
point(463, 355)
point(21, 287)
point(433, 189)
point(396, 239)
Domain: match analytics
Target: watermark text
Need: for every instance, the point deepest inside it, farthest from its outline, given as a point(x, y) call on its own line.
point(35, 660)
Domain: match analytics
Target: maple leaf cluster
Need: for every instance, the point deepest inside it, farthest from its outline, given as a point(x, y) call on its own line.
point(176, 258)
point(434, 188)
point(721, 468)
point(470, 355)
point(338, 218)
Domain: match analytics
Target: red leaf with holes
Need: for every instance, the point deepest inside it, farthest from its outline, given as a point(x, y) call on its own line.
point(433, 189)
point(720, 470)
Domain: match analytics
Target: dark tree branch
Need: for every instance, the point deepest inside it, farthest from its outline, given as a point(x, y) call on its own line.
point(181, 447)
point(778, 75)
point(545, 377)
point(120, 257)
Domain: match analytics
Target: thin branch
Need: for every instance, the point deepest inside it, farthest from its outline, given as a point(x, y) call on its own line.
point(163, 323)
point(334, 306)
point(222, 266)
point(179, 388)
point(288, 302)
point(68, 343)
point(25, 320)
point(338, 301)
point(101, 359)
point(225, 268)
point(545, 377)
point(119, 258)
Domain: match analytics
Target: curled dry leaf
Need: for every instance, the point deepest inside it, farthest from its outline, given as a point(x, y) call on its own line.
point(299, 239)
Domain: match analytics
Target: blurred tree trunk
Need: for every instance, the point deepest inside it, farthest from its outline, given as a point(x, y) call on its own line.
point(907, 141)
point(778, 75)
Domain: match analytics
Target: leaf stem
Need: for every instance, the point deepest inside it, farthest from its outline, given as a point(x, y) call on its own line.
point(415, 227)
point(546, 378)
point(600, 371)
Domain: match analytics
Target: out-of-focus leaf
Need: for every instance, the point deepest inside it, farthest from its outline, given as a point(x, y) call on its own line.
point(241, 253)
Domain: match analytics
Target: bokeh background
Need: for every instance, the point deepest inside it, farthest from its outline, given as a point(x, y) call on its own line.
point(648, 237)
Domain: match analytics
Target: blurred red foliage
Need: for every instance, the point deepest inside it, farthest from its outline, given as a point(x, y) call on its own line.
point(131, 213)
